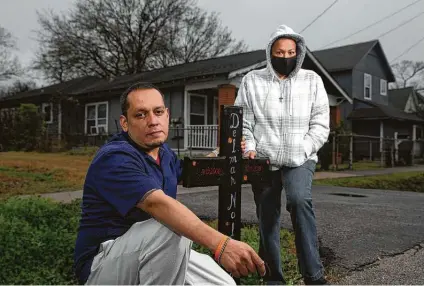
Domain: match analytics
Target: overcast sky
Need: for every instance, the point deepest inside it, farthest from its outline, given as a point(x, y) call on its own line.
point(254, 20)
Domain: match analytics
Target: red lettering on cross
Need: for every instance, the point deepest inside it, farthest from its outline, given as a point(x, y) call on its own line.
point(211, 171)
point(254, 169)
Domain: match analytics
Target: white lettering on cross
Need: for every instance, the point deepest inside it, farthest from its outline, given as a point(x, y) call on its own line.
point(235, 120)
point(232, 203)
point(233, 170)
point(233, 160)
point(233, 181)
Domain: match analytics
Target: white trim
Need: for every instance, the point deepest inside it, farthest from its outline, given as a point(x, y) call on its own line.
point(106, 126)
point(205, 115)
point(246, 69)
point(215, 109)
point(330, 78)
point(43, 105)
point(383, 82)
point(370, 87)
point(410, 106)
point(186, 123)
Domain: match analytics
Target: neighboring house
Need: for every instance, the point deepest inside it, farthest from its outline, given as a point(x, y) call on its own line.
point(361, 69)
point(84, 108)
point(407, 99)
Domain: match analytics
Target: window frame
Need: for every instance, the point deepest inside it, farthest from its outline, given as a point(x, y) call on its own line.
point(97, 125)
point(366, 75)
point(383, 82)
point(43, 106)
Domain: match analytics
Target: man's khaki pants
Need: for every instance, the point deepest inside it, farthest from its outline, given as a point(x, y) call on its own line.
point(151, 253)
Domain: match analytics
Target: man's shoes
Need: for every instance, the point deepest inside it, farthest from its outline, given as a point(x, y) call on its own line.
point(320, 281)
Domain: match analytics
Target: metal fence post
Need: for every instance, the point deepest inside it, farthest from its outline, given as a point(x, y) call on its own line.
point(337, 152)
point(334, 152)
point(351, 152)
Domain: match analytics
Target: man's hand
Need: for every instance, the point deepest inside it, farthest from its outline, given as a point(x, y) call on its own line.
point(250, 154)
point(240, 259)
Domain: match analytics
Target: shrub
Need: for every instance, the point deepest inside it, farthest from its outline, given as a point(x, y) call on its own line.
point(23, 129)
point(37, 239)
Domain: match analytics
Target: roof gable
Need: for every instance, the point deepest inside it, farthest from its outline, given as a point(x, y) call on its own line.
point(399, 97)
point(344, 57)
point(378, 111)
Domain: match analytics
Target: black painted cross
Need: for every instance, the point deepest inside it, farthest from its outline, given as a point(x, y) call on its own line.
point(228, 171)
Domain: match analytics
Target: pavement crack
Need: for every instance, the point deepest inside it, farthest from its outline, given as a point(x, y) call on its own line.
point(412, 251)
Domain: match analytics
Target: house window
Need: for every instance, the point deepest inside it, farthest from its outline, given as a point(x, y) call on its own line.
point(383, 87)
point(96, 118)
point(367, 86)
point(47, 110)
point(198, 109)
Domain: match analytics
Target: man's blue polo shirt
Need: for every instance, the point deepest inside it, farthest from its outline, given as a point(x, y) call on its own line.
point(118, 177)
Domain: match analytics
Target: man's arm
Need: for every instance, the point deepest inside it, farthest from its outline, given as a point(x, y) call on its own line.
point(319, 124)
point(237, 258)
point(243, 99)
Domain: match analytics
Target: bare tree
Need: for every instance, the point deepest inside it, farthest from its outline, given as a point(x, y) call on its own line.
point(195, 36)
point(409, 73)
point(9, 64)
point(108, 38)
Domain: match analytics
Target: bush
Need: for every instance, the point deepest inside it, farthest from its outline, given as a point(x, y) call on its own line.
point(37, 240)
point(22, 129)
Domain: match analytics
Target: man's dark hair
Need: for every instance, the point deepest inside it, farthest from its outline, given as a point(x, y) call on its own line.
point(138, 86)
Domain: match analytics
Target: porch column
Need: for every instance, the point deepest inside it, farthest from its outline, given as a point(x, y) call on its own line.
point(226, 96)
point(414, 139)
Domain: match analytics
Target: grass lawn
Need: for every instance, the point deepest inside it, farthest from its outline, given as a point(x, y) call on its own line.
point(403, 181)
point(37, 237)
point(31, 173)
point(358, 166)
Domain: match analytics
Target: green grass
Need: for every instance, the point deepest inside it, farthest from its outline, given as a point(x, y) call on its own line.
point(37, 239)
point(402, 181)
point(357, 166)
point(24, 173)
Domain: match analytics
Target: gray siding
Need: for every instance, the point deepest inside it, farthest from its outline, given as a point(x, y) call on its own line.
point(344, 79)
point(345, 109)
point(372, 65)
point(114, 114)
point(174, 100)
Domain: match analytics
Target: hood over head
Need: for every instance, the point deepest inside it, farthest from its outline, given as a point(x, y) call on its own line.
point(284, 31)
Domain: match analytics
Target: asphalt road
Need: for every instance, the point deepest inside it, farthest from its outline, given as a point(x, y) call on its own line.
point(357, 227)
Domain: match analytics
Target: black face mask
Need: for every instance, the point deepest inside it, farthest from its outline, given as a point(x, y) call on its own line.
point(283, 66)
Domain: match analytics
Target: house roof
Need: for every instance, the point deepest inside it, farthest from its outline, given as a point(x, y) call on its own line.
point(399, 96)
point(69, 87)
point(345, 58)
point(203, 68)
point(228, 66)
point(378, 111)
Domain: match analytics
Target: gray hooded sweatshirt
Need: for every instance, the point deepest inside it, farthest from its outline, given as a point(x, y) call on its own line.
point(287, 119)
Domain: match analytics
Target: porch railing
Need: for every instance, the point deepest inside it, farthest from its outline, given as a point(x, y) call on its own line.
point(202, 136)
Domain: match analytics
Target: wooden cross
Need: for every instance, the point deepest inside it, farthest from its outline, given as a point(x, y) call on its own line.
point(228, 171)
